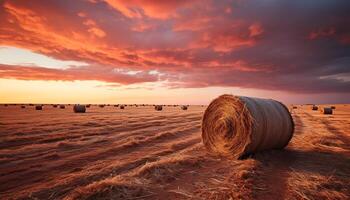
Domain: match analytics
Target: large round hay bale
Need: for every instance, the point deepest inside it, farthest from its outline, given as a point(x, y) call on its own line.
point(314, 107)
point(327, 111)
point(62, 106)
point(79, 108)
point(121, 106)
point(239, 126)
point(158, 107)
point(184, 107)
point(38, 107)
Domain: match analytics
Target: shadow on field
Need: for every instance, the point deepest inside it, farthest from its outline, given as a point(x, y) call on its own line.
point(276, 167)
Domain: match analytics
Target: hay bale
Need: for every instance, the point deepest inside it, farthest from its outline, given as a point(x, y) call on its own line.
point(62, 106)
point(184, 107)
point(54, 105)
point(38, 107)
point(327, 111)
point(158, 107)
point(77, 108)
point(122, 107)
point(333, 107)
point(237, 126)
point(23, 106)
point(101, 106)
point(314, 107)
point(88, 105)
point(295, 107)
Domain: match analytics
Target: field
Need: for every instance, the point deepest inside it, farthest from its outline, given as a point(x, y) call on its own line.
point(140, 153)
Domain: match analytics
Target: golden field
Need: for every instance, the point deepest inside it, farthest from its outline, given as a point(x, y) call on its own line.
point(140, 153)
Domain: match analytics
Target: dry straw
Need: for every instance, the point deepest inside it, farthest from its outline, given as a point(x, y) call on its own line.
point(327, 111)
point(238, 126)
point(79, 108)
point(158, 107)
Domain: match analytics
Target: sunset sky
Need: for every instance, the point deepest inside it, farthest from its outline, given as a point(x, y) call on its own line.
point(183, 52)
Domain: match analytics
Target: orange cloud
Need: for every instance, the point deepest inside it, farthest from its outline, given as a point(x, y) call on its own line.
point(71, 74)
point(230, 38)
point(325, 32)
point(190, 43)
point(151, 8)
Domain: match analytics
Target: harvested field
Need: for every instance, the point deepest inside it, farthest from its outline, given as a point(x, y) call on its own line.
point(140, 153)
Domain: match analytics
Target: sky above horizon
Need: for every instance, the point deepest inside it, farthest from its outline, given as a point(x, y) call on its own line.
point(174, 52)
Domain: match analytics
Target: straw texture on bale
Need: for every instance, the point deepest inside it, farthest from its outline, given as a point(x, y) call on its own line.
point(314, 107)
point(38, 107)
point(62, 106)
point(237, 126)
point(79, 108)
point(327, 111)
point(158, 107)
point(184, 107)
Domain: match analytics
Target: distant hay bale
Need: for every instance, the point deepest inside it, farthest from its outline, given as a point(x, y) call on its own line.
point(62, 106)
point(54, 105)
point(79, 108)
point(88, 105)
point(158, 107)
point(314, 107)
point(38, 107)
point(184, 107)
point(22, 106)
point(295, 107)
point(5, 105)
point(121, 106)
point(327, 111)
point(116, 105)
point(101, 105)
point(333, 107)
point(237, 126)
